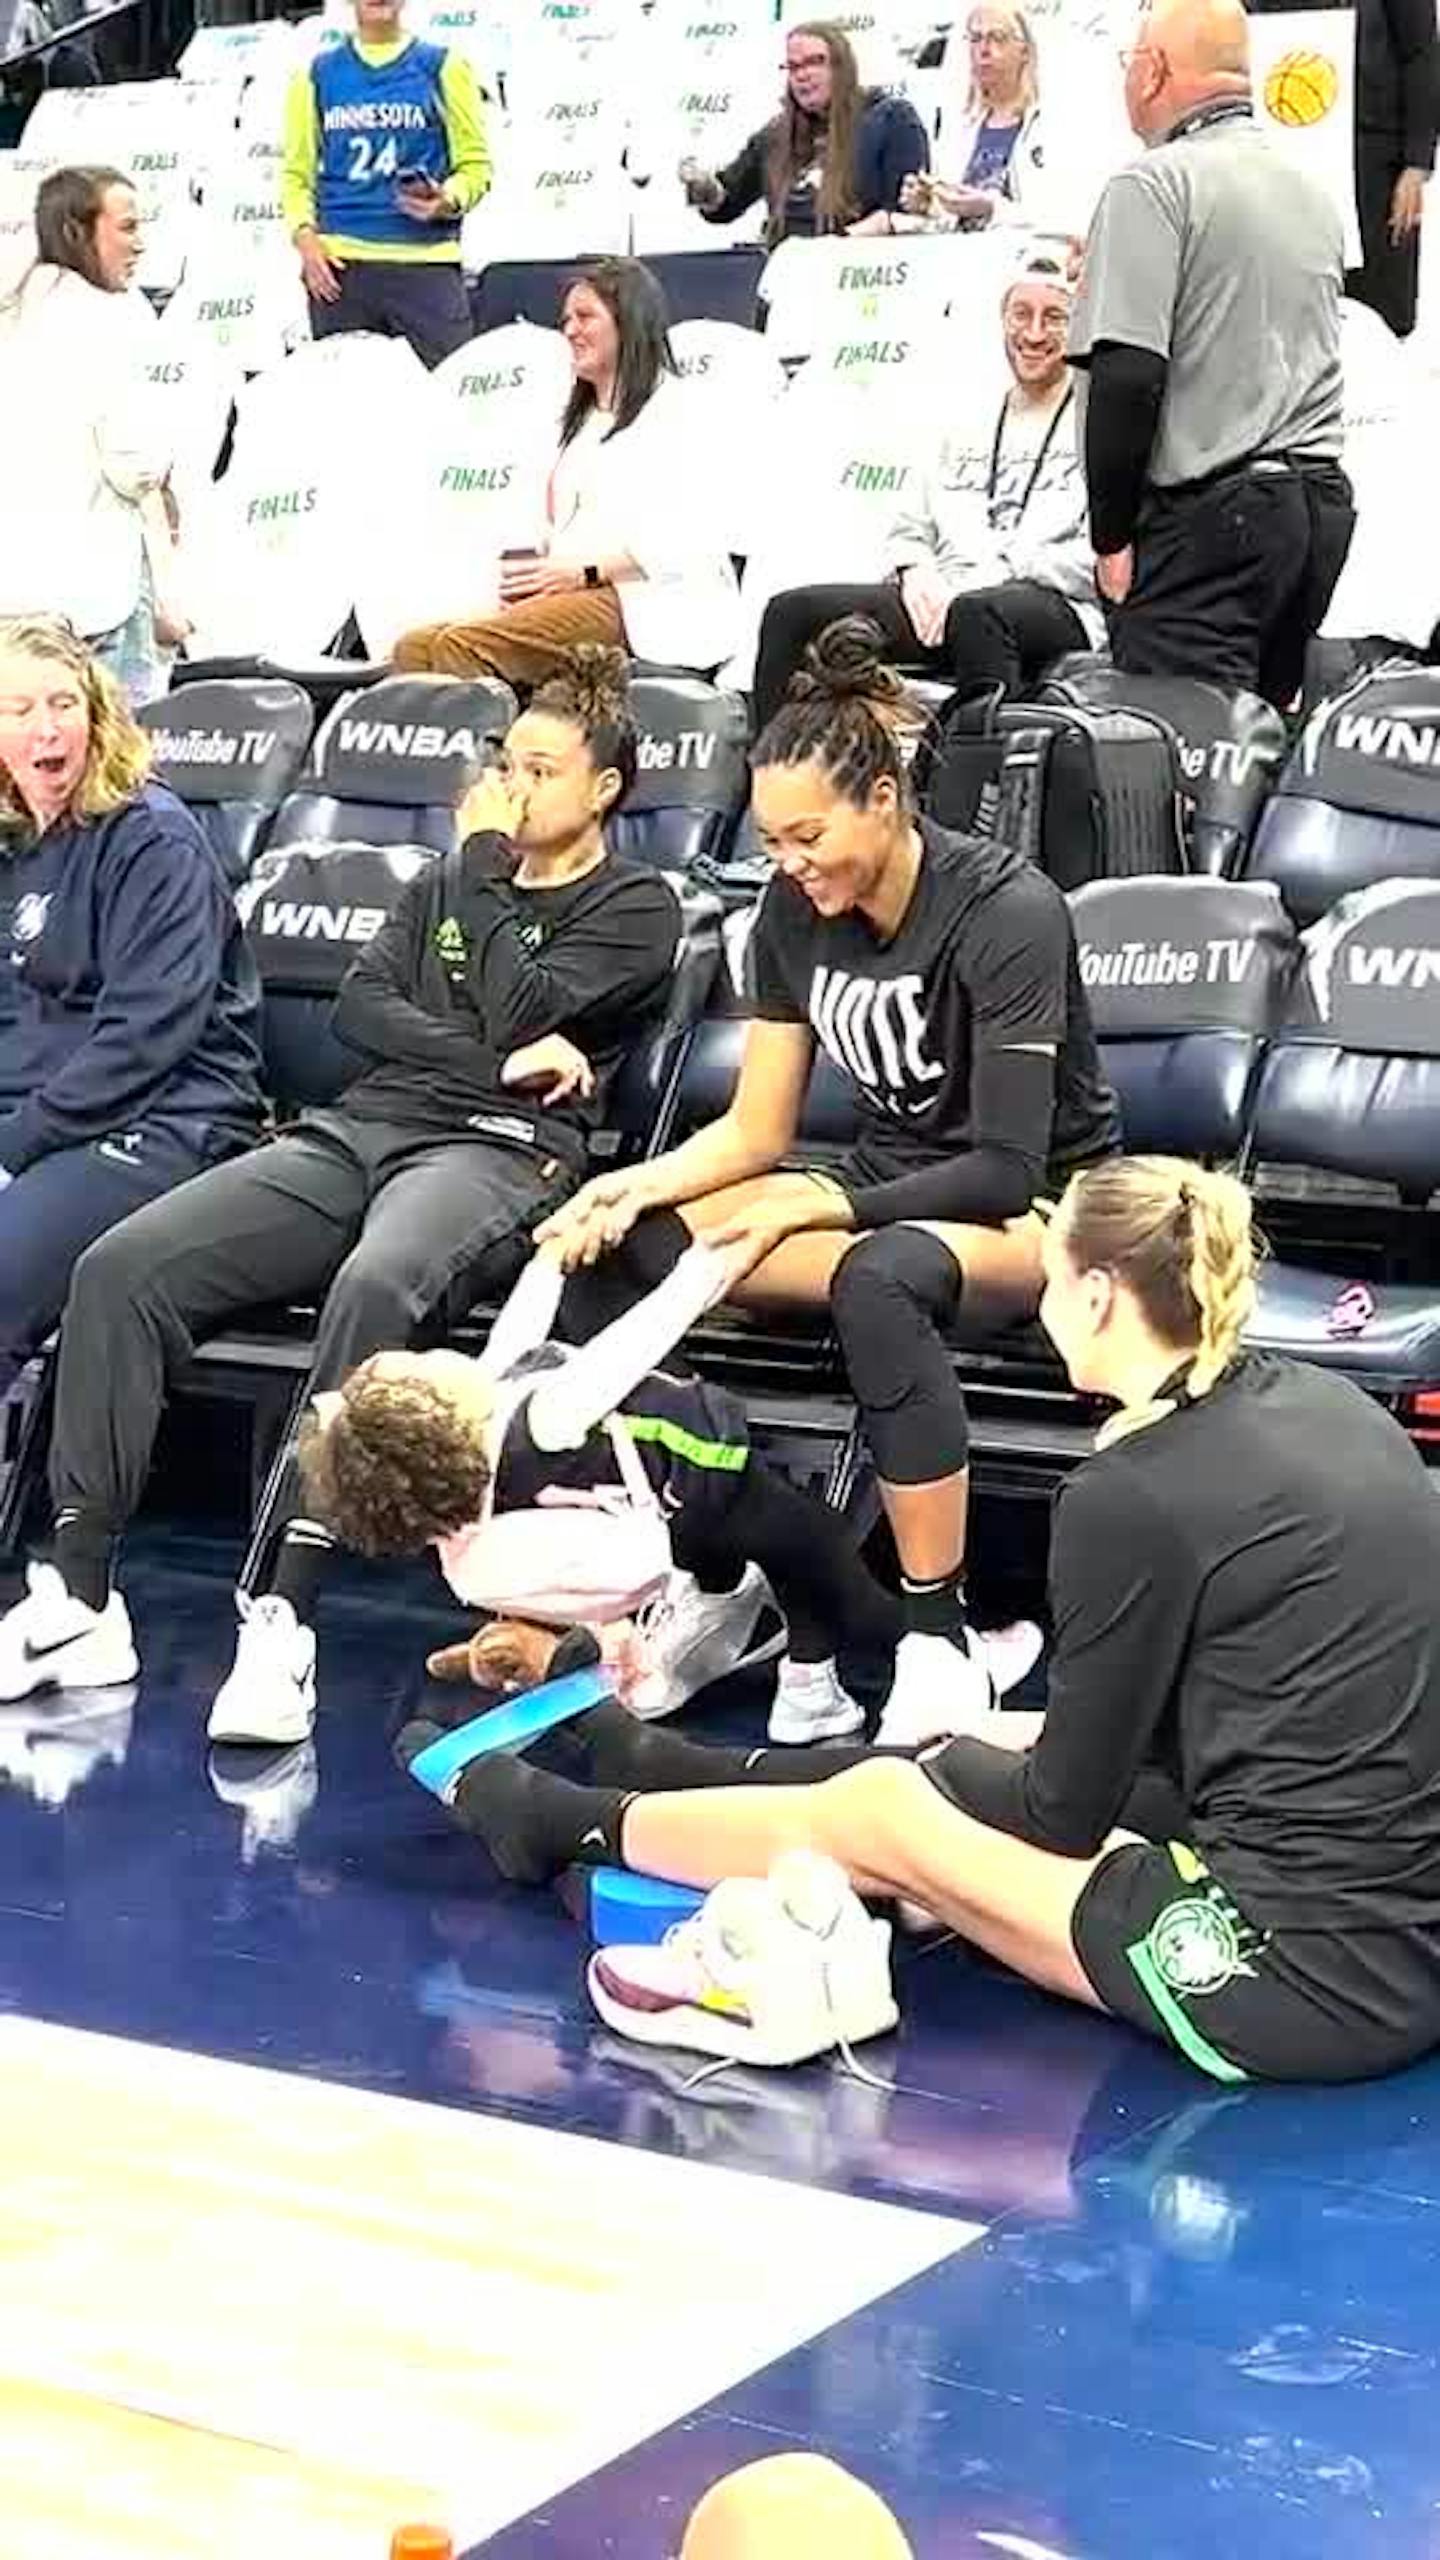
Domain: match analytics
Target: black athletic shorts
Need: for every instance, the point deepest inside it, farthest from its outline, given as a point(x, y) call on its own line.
point(1165, 1946)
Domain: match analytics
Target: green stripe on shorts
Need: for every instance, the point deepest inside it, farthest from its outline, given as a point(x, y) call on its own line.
point(1181, 2026)
point(723, 1457)
point(1195, 1944)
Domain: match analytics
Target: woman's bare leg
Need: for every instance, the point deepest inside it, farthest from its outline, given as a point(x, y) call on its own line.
point(895, 1835)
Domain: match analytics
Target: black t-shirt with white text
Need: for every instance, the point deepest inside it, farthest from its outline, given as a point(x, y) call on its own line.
point(984, 952)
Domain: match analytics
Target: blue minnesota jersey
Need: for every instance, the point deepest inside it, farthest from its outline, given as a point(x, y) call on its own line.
point(379, 123)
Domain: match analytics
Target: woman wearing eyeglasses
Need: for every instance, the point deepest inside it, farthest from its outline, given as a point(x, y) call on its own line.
point(834, 154)
point(992, 153)
point(991, 570)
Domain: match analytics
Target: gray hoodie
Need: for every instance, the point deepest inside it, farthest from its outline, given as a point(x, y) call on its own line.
point(990, 508)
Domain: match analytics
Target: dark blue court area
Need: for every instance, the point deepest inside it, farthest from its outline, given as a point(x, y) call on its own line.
point(1197, 2322)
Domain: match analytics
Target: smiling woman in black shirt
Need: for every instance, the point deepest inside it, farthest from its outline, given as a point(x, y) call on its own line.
point(939, 976)
point(1226, 1828)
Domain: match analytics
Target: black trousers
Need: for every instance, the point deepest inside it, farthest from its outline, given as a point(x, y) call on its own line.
point(58, 1206)
point(427, 305)
point(1233, 578)
point(994, 636)
point(1387, 278)
point(386, 1221)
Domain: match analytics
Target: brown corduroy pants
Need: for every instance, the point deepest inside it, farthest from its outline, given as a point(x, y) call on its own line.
point(522, 643)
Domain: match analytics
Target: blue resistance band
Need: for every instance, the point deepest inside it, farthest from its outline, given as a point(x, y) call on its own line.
point(508, 1728)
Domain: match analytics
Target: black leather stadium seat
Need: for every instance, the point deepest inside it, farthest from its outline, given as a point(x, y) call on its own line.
point(1231, 747)
point(712, 1060)
point(1186, 981)
point(643, 1101)
point(394, 760)
point(693, 780)
point(1351, 1087)
point(230, 750)
point(1359, 799)
point(376, 801)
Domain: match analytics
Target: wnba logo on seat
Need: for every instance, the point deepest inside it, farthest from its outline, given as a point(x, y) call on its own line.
point(1373, 968)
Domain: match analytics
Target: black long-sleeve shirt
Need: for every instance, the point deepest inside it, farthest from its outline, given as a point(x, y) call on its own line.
point(472, 967)
point(1247, 1594)
point(1122, 413)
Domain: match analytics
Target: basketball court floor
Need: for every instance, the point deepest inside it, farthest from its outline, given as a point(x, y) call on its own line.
point(328, 2206)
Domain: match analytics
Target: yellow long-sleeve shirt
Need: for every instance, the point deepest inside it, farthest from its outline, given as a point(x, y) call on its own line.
point(468, 178)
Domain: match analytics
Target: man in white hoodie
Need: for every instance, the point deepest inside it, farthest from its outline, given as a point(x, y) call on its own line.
point(991, 570)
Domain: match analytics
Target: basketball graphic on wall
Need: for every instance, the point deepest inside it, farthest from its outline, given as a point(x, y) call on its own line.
point(1302, 87)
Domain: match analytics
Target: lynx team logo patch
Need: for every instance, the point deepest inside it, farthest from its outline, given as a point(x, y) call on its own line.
point(1196, 1945)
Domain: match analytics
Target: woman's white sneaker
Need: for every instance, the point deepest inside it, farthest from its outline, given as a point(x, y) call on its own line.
point(942, 1686)
point(812, 1705)
point(269, 1693)
point(945, 1685)
point(51, 1640)
point(770, 1973)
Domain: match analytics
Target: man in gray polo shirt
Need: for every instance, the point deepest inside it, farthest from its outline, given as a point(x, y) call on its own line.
point(1207, 334)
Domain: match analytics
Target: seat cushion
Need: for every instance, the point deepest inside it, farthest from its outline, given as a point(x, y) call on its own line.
point(1382, 1334)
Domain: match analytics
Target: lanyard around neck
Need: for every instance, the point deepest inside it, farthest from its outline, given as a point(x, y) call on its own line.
point(1038, 465)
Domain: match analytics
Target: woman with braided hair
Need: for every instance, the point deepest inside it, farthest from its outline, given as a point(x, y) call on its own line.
point(1226, 1827)
point(939, 975)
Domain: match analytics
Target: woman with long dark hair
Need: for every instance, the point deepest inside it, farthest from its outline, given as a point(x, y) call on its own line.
point(624, 565)
point(833, 155)
point(82, 462)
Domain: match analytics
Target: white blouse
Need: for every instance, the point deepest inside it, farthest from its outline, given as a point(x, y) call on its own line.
point(639, 491)
point(80, 449)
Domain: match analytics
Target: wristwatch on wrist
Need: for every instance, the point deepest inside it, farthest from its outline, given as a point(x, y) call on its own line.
point(591, 575)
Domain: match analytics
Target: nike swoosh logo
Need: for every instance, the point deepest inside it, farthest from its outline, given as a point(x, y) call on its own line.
point(31, 1652)
point(593, 1840)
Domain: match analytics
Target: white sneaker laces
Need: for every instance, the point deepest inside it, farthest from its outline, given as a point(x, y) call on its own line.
point(688, 1935)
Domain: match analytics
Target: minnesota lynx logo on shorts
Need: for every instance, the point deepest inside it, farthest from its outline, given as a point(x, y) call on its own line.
point(1197, 1944)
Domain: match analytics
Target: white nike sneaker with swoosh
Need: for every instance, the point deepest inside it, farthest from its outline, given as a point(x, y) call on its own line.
point(51, 1640)
point(268, 1695)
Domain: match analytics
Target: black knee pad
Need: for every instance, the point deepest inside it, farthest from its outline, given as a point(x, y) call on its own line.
point(890, 1297)
point(892, 1292)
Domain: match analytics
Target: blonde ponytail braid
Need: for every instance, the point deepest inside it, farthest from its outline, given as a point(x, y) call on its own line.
point(1181, 1239)
point(1222, 1269)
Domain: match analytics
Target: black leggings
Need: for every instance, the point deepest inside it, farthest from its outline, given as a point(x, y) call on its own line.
point(617, 1751)
point(829, 1599)
point(1002, 635)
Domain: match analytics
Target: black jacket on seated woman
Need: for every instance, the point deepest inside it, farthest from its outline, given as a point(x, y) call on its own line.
point(833, 153)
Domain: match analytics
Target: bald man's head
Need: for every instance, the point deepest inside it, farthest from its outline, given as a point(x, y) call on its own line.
point(796, 2506)
point(1187, 54)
